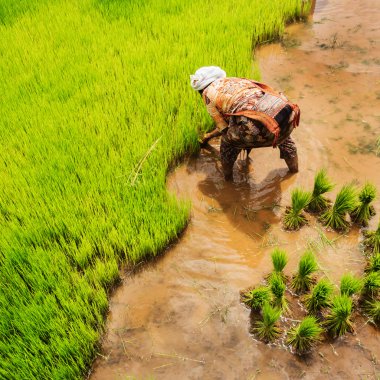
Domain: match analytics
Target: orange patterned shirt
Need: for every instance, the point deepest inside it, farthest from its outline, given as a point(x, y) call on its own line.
point(231, 95)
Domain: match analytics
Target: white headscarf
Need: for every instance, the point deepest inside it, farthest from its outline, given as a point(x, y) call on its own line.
point(206, 75)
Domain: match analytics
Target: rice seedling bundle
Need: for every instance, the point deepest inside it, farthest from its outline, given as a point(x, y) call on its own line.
point(267, 329)
point(278, 287)
point(350, 285)
point(257, 297)
point(322, 185)
point(345, 202)
point(294, 218)
point(372, 308)
point(373, 264)
point(371, 284)
point(371, 241)
point(319, 297)
point(279, 261)
point(338, 321)
point(96, 106)
point(305, 335)
point(303, 279)
point(364, 210)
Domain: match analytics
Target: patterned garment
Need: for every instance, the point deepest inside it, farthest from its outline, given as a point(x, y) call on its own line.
point(231, 95)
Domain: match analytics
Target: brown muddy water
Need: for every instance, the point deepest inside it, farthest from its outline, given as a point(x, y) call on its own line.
point(180, 318)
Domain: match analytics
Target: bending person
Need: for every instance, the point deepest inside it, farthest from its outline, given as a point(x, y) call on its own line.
point(248, 114)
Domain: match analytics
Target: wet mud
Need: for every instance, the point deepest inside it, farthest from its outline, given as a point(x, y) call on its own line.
point(181, 318)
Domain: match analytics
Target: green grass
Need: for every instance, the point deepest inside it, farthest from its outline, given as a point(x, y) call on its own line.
point(350, 285)
point(95, 107)
point(305, 335)
point(364, 210)
point(303, 279)
point(267, 328)
point(322, 185)
point(257, 297)
point(294, 219)
point(371, 284)
point(345, 202)
point(338, 321)
point(319, 297)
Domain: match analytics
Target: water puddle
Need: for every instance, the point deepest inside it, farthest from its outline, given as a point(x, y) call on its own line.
point(180, 318)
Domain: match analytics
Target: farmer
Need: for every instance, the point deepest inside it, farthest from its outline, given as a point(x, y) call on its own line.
point(248, 115)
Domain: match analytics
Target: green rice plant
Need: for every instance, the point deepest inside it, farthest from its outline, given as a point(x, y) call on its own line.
point(338, 321)
point(279, 261)
point(319, 297)
point(350, 285)
point(373, 264)
point(371, 241)
point(322, 185)
point(345, 202)
point(371, 284)
point(364, 210)
point(305, 335)
point(294, 219)
point(257, 297)
point(303, 279)
point(372, 308)
point(84, 159)
point(267, 329)
point(278, 287)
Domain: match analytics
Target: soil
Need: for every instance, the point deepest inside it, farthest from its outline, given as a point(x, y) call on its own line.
point(181, 317)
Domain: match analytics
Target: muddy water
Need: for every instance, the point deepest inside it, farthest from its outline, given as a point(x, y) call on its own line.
point(180, 318)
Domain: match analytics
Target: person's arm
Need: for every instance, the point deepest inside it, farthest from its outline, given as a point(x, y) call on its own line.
point(208, 136)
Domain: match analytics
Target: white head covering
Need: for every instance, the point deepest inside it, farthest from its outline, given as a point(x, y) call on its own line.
point(206, 75)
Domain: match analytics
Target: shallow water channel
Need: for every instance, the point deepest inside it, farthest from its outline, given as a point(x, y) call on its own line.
point(181, 318)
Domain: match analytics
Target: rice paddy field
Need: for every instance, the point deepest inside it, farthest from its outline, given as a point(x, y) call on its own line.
point(96, 107)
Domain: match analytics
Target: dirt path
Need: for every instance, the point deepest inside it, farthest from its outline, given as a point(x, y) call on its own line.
point(181, 317)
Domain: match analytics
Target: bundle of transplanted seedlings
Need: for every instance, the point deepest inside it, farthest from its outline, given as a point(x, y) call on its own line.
point(305, 335)
point(279, 261)
point(338, 320)
point(268, 328)
point(294, 218)
point(345, 202)
point(373, 264)
point(364, 210)
point(319, 297)
point(371, 240)
point(322, 185)
point(350, 285)
point(303, 279)
point(278, 287)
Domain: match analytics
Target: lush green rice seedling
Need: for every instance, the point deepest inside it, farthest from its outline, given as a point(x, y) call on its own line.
point(371, 284)
point(84, 157)
point(267, 329)
point(278, 287)
point(372, 308)
point(372, 240)
point(350, 285)
point(319, 297)
point(373, 264)
point(303, 279)
point(304, 336)
point(279, 261)
point(338, 321)
point(364, 210)
point(257, 297)
point(345, 202)
point(322, 185)
point(294, 218)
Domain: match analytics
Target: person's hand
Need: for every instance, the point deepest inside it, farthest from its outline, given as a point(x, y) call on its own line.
point(204, 141)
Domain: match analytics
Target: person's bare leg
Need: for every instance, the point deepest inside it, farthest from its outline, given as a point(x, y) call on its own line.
point(228, 156)
point(288, 152)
